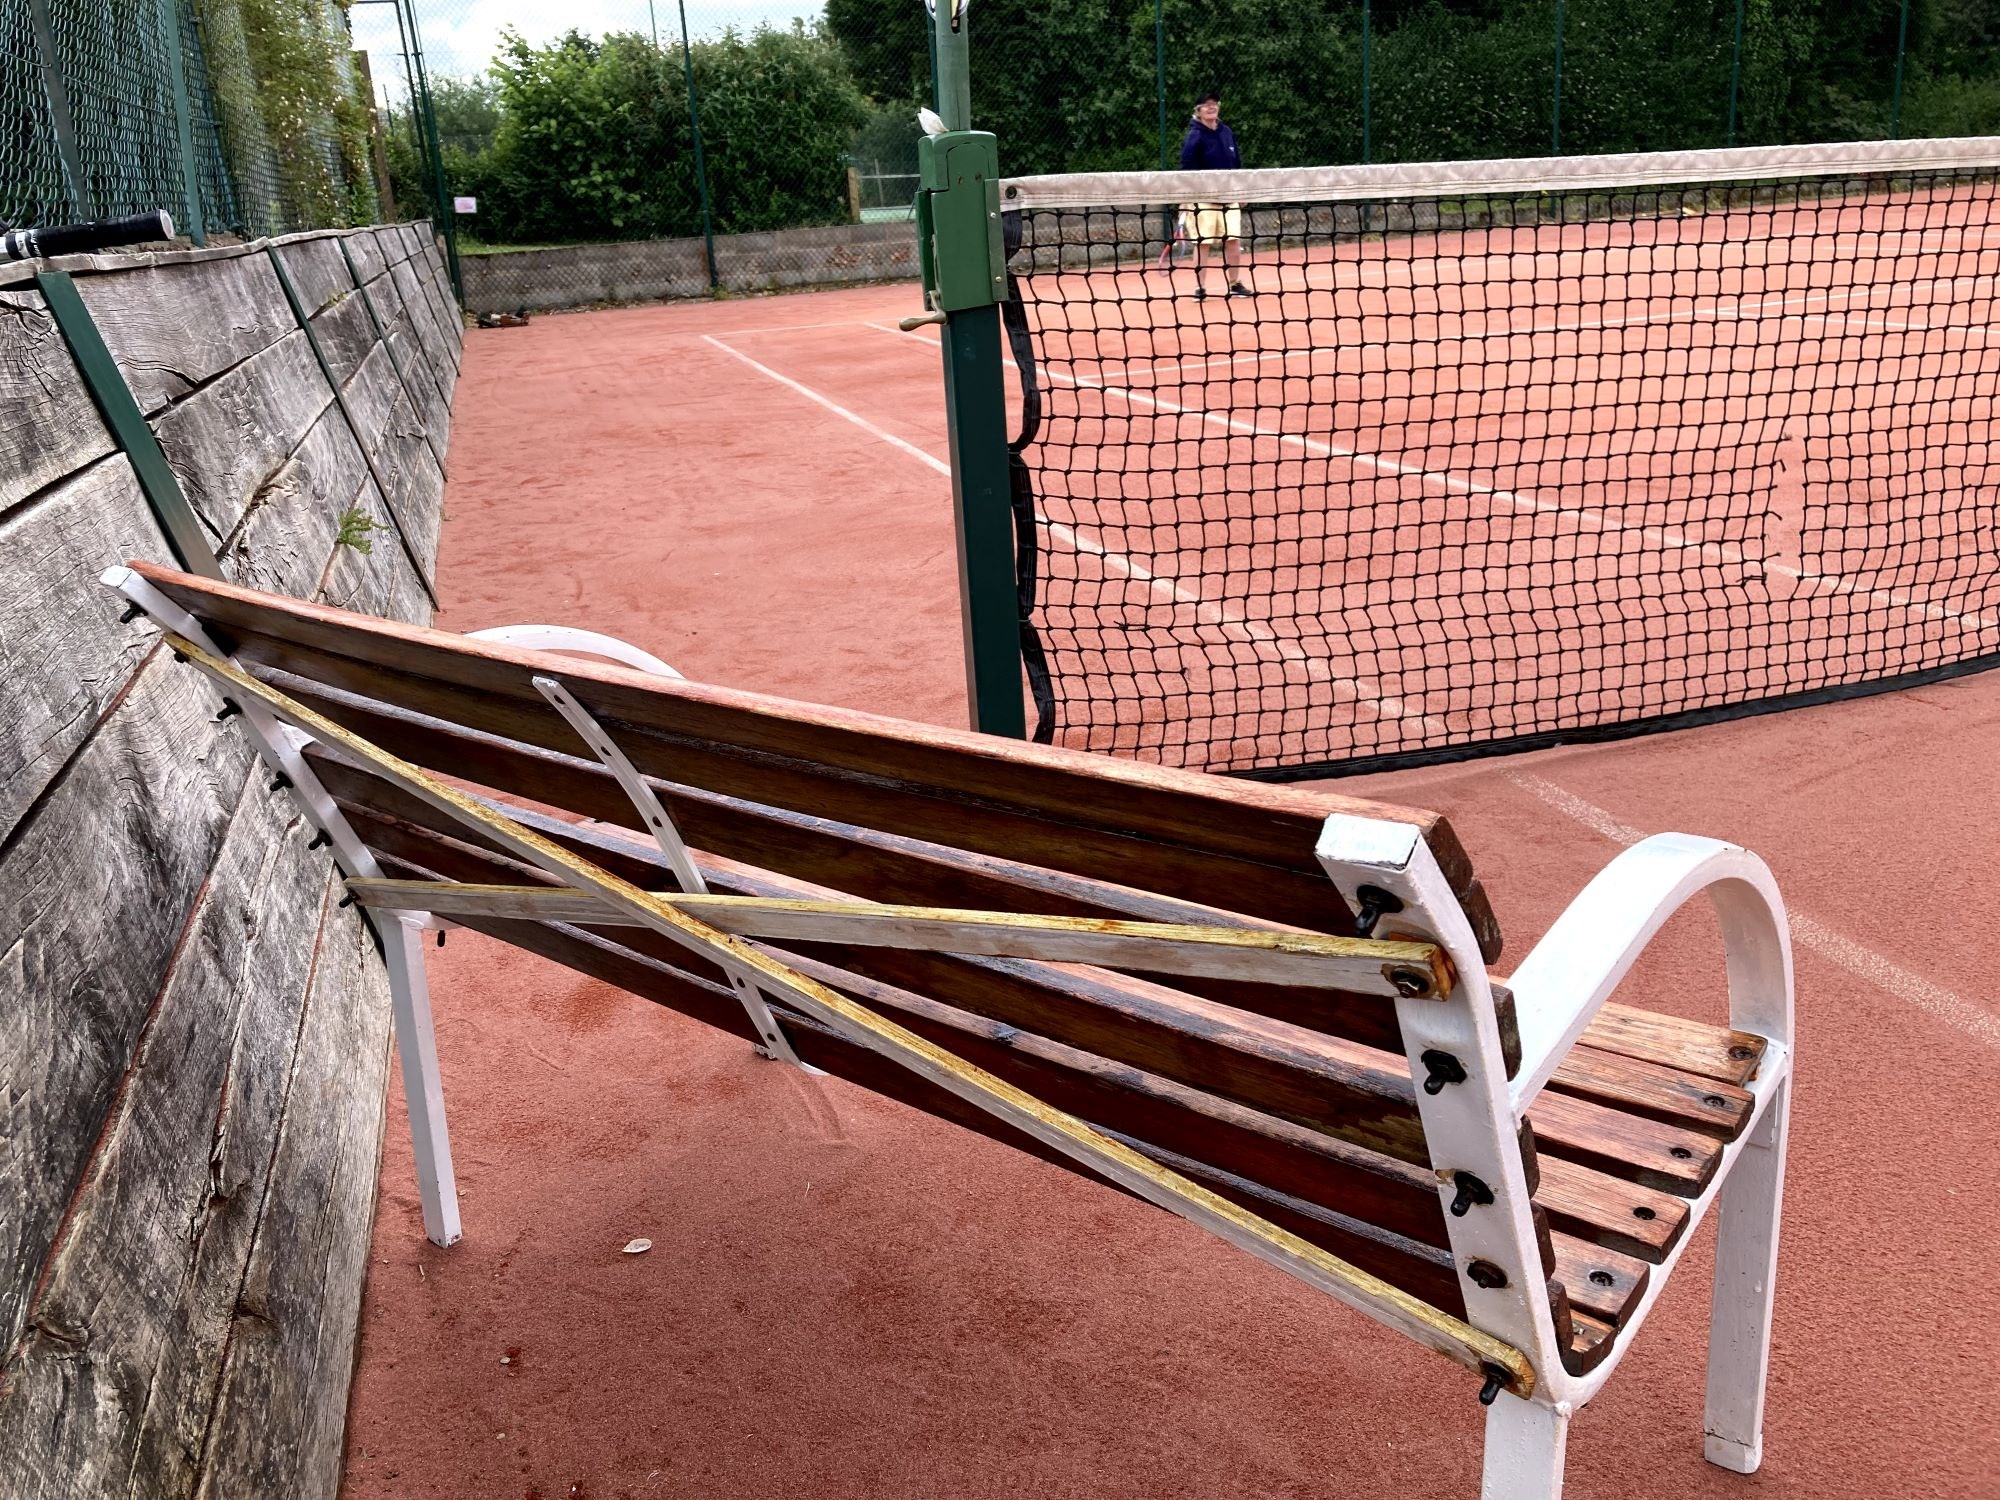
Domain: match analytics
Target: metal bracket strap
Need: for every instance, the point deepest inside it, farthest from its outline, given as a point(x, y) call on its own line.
point(400, 932)
point(960, 248)
point(773, 1041)
point(353, 427)
point(129, 430)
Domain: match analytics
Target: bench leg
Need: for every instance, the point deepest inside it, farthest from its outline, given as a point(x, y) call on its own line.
point(1525, 1444)
point(1746, 1262)
point(423, 1089)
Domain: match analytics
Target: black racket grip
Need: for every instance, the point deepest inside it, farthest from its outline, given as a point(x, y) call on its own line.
point(81, 239)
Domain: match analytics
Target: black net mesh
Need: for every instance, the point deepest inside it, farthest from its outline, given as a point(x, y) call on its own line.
point(1421, 478)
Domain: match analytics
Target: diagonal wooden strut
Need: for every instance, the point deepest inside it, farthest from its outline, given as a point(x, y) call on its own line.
point(1362, 965)
point(1060, 1131)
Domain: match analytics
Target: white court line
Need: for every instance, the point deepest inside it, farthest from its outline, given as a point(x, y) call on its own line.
point(1205, 610)
point(1671, 537)
point(1807, 932)
point(1751, 311)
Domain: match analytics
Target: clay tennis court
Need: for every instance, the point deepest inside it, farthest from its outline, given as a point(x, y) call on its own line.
point(846, 1299)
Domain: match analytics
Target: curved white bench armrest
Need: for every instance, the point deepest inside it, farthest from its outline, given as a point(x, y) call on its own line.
point(568, 638)
point(1562, 984)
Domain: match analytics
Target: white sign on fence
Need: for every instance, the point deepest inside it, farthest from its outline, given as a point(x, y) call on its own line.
point(465, 205)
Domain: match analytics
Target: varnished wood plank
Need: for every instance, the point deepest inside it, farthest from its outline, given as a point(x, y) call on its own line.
point(113, 1388)
point(1362, 964)
point(98, 886)
point(1106, 812)
point(864, 862)
point(175, 327)
point(292, 1341)
point(1634, 1086)
point(1611, 1211)
point(63, 656)
point(49, 426)
point(1064, 1132)
point(1699, 1047)
point(1601, 1282)
point(1591, 1340)
point(1649, 1153)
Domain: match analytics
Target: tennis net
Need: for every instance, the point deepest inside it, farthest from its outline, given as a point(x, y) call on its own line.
point(1486, 456)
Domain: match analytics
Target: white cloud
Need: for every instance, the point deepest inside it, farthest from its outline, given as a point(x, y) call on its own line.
point(461, 36)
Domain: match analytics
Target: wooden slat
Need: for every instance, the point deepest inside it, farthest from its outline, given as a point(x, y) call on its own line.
point(49, 426)
point(1632, 1086)
point(175, 327)
point(1603, 1283)
point(1610, 1211)
point(1649, 1153)
point(1698, 1047)
point(1353, 1091)
point(1210, 952)
point(864, 862)
point(1090, 814)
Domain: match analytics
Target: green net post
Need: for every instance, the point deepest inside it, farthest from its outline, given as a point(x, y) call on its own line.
point(700, 162)
point(964, 264)
point(1735, 72)
point(1160, 73)
point(1556, 93)
point(1902, 50)
point(1367, 78)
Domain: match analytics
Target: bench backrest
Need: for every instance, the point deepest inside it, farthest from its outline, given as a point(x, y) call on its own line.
point(1296, 1102)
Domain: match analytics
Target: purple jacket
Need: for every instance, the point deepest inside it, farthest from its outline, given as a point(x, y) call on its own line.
point(1206, 150)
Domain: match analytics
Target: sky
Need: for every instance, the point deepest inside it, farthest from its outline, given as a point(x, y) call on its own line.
point(460, 36)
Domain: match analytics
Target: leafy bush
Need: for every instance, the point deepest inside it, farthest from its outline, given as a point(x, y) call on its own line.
point(593, 141)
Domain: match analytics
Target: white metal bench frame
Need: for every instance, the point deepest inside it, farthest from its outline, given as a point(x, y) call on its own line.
point(1471, 1125)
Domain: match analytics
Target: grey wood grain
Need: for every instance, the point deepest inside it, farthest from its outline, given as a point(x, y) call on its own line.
point(345, 333)
point(228, 439)
point(402, 457)
point(419, 362)
point(63, 654)
point(95, 891)
point(281, 1411)
point(366, 249)
point(318, 273)
point(49, 426)
point(377, 582)
point(111, 1391)
point(288, 532)
point(173, 328)
point(425, 320)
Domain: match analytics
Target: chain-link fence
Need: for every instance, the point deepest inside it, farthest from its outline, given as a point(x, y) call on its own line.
point(239, 117)
point(740, 144)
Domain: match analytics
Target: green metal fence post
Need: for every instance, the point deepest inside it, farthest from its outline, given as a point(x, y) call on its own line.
point(1556, 99)
point(61, 119)
point(1160, 72)
point(1902, 42)
point(1367, 77)
point(1735, 72)
point(423, 120)
point(170, 44)
point(965, 278)
point(700, 163)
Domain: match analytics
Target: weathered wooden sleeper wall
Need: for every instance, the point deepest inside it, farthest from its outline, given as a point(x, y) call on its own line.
point(193, 1036)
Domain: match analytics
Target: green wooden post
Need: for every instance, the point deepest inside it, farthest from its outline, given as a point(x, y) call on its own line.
point(700, 164)
point(965, 278)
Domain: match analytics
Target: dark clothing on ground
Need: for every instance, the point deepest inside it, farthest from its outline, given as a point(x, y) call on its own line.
point(1206, 150)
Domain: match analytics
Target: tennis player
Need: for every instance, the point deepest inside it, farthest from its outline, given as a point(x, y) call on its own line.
point(1210, 146)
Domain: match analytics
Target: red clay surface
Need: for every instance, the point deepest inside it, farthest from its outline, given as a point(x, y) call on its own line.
point(844, 1299)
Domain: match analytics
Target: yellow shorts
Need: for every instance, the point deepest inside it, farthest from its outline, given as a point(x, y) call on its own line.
point(1216, 221)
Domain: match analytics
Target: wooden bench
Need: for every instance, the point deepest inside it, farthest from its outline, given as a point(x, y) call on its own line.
point(1265, 1009)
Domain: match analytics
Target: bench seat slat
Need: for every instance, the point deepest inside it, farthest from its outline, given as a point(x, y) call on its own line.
point(1707, 1106)
point(1067, 809)
point(1698, 1047)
